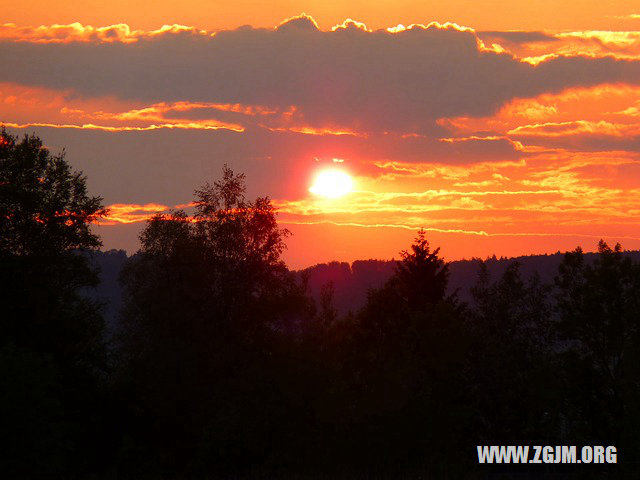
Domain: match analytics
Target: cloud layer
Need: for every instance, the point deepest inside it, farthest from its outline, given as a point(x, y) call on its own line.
point(381, 81)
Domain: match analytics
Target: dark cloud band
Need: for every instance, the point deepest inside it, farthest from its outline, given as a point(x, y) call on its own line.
point(366, 81)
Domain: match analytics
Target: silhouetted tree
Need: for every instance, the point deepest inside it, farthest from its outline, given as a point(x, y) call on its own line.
point(418, 285)
point(512, 380)
point(421, 276)
point(407, 358)
point(207, 301)
point(51, 336)
point(598, 308)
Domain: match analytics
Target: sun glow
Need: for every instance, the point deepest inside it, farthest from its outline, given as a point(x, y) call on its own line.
point(332, 184)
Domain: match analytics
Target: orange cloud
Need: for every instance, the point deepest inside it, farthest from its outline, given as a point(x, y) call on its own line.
point(22, 106)
point(77, 32)
point(536, 47)
point(577, 127)
point(91, 126)
point(131, 213)
point(604, 117)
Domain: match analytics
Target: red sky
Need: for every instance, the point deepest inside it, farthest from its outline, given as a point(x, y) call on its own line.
point(507, 131)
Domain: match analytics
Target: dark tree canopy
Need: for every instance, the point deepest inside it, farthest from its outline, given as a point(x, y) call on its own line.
point(598, 322)
point(422, 274)
point(51, 336)
point(44, 205)
point(45, 222)
point(205, 298)
point(228, 254)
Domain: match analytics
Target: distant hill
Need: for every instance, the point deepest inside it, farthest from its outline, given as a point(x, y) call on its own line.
point(350, 282)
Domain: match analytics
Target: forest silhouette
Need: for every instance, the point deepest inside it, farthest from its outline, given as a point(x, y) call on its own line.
point(224, 365)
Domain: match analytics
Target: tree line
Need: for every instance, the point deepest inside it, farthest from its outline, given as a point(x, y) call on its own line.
point(226, 367)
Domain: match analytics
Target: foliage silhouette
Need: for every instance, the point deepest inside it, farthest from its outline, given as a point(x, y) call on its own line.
point(598, 310)
point(407, 356)
point(422, 276)
point(51, 335)
point(513, 359)
point(44, 205)
point(206, 300)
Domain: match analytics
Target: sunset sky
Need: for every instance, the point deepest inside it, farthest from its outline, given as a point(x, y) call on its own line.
point(500, 127)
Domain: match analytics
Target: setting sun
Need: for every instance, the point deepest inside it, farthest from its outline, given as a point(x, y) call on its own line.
point(332, 184)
